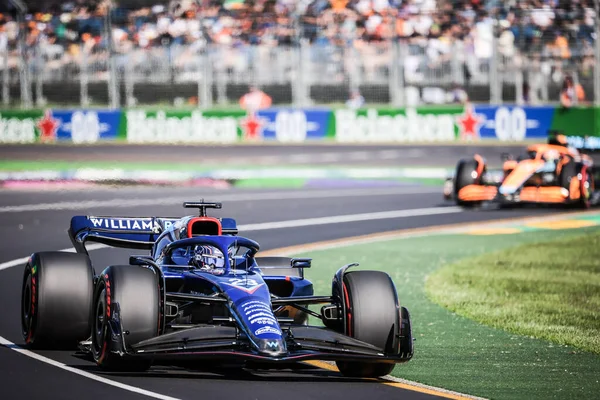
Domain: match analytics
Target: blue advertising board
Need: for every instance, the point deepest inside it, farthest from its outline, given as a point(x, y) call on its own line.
point(87, 126)
point(294, 125)
point(514, 123)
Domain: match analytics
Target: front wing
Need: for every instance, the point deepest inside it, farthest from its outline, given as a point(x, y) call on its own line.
point(228, 342)
point(527, 194)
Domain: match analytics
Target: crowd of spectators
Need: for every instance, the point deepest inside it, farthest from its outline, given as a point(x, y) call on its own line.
point(531, 23)
point(556, 28)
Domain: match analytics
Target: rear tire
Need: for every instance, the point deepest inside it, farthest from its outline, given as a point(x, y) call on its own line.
point(56, 300)
point(373, 317)
point(136, 290)
point(466, 174)
point(571, 171)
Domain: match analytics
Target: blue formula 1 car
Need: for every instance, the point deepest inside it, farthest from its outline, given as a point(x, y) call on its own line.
point(203, 294)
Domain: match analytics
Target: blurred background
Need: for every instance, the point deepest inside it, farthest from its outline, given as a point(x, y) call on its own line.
point(301, 53)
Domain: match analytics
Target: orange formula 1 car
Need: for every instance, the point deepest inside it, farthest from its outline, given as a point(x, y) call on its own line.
point(552, 173)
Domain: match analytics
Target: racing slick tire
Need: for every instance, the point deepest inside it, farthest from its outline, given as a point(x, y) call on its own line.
point(136, 291)
point(571, 170)
point(56, 300)
point(466, 174)
point(586, 186)
point(373, 317)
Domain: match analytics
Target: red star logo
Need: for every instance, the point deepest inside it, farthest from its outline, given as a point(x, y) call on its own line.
point(252, 126)
point(469, 123)
point(48, 127)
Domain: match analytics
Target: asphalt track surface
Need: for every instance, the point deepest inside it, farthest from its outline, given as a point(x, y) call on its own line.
point(28, 227)
point(267, 154)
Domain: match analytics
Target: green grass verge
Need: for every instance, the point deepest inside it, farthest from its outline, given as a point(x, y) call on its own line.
point(549, 290)
point(458, 353)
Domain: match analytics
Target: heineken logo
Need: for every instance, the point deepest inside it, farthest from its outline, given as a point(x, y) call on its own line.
point(142, 128)
point(411, 127)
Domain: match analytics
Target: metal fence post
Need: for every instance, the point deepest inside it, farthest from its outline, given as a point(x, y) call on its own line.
point(221, 80)
point(295, 76)
point(5, 78)
point(304, 72)
point(39, 72)
point(113, 85)
point(205, 80)
point(495, 88)
point(129, 82)
point(399, 52)
point(519, 83)
point(23, 65)
point(393, 77)
point(83, 79)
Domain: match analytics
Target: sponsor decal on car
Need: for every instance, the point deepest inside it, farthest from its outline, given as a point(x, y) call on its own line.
point(122, 223)
point(267, 329)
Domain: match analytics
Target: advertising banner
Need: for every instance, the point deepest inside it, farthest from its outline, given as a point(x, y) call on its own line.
point(293, 125)
point(398, 125)
point(86, 126)
point(187, 127)
point(514, 123)
point(23, 126)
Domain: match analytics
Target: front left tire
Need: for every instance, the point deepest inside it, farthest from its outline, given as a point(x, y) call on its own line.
point(56, 300)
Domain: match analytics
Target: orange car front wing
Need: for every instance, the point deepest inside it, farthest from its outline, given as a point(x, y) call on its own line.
point(548, 194)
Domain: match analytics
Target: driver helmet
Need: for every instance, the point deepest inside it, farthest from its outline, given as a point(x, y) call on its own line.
point(551, 156)
point(208, 259)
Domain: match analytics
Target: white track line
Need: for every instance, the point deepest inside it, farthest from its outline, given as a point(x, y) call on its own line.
point(349, 218)
point(165, 201)
point(10, 345)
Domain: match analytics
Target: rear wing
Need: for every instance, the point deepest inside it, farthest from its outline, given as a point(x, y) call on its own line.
point(126, 232)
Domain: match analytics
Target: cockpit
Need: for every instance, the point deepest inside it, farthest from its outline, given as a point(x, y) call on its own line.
point(215, 255)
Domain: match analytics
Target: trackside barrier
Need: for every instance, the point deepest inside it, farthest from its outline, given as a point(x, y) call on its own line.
point(287, 125)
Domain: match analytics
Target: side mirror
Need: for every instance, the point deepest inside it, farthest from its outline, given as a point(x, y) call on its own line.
point(140, 260)
point(301, 262)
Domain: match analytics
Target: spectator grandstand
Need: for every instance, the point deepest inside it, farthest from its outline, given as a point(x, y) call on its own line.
point(444, 43)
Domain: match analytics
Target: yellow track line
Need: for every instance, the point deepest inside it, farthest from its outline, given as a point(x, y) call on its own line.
point(406, 386)
point(459, 227)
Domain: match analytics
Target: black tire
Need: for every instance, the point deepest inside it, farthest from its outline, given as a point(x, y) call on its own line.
point(567, 172)
point(464, 176)
point(56, 300)
point(587, 178)
point(136, 290)
point(374, 317)
point(571, 170)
